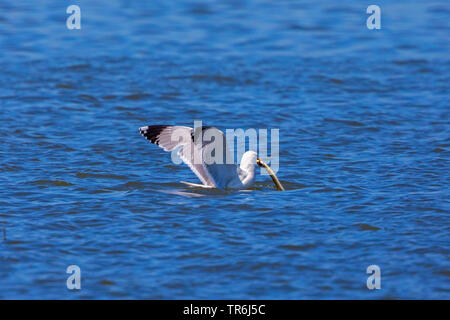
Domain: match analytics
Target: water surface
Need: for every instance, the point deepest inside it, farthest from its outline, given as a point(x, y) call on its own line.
point(364, 149)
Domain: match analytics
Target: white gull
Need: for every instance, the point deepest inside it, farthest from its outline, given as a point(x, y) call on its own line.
point(194, 152)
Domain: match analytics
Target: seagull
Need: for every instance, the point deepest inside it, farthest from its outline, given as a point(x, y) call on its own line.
point(193, 151)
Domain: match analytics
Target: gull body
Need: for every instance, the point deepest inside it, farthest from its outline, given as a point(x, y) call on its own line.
point(191, 150)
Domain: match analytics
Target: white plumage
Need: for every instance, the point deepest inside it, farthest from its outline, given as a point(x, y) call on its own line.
point(194, 152)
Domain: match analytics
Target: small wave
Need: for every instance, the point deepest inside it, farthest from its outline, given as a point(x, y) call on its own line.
point(138, 96)
point(86, 97)
point(205, 78)
point(57, 183)
point(84, 175)
point(352, 123)
point(367, 227)
point(297, 247)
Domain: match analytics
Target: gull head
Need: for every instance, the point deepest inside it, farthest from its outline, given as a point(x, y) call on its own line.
point(249, 159)
point(248, 165)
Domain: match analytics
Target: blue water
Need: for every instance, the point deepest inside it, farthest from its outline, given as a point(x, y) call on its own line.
point(364, 149)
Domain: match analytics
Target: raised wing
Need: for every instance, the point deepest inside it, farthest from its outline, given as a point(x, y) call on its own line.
point(204, 151)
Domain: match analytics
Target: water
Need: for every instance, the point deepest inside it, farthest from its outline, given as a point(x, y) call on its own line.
point(364, 149)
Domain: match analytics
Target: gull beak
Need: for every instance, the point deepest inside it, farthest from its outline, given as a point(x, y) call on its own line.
point(258, 162)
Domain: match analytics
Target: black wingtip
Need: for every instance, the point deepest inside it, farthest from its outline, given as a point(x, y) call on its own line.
point(152, 133)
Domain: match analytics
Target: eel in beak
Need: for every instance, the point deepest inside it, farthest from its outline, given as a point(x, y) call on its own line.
point(261, 163)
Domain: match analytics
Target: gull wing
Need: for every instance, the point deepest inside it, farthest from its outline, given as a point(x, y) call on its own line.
point(196, 153)
point(215, 154)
